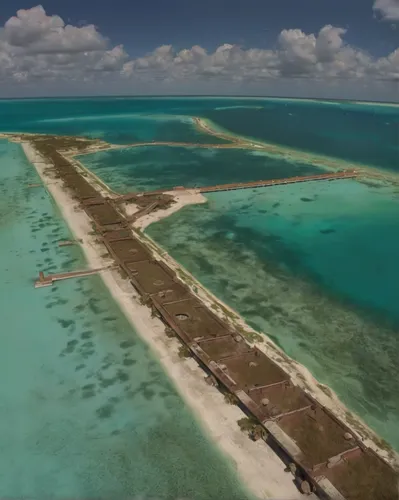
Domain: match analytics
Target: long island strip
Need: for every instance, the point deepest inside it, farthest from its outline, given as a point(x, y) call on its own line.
point(324, 455)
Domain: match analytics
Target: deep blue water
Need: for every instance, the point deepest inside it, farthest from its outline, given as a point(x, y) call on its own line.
point(358, 132)
point(363, 133)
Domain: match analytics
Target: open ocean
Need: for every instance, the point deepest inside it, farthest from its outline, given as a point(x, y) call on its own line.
point(313, 265)
point(365, 133)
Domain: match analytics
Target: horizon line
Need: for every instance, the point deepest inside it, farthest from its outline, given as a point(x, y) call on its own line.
point(188, 96)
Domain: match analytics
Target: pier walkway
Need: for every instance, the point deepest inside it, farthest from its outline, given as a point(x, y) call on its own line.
point(330, 176)
point(346, 174)
point(50, 278)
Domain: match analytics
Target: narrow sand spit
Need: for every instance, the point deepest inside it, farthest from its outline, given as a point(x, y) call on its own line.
point(257, 465)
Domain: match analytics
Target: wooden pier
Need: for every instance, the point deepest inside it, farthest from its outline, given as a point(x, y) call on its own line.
point(48, 280)
point(330, 176)
point(346, 174)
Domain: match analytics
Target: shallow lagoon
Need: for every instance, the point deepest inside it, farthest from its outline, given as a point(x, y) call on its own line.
point(315, 267)
point(156, 167)
point(86, 411)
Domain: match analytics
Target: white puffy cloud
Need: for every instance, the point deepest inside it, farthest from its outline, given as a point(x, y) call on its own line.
point(322, 56)
point(36, 46)
point(389, 66)
point(388, 9)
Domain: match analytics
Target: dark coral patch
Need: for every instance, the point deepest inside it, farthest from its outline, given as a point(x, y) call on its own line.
point(105, 411)
point(86, 334)
point(70, 347)
point(148, 394)
point(122, 376)
point(66, 323)
point(87, 394)
point(129, 362)
point(127, 343)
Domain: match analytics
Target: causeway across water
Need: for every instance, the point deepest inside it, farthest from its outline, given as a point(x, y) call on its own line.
point(344, 174)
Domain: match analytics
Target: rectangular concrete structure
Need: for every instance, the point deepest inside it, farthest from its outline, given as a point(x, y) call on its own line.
point(254, 369)
point(119, 234)
point(98, 200)
point(173, 293)
point(224, 347)
point(150, 276)
point(128, 250)
point(363, 477)
point(318, 435)
point(282, 398)
point(103, 214)
point(195, 320)
point(112, 227)
point(79, 186)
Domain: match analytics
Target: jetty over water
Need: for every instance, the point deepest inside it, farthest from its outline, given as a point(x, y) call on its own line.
point(48, 280)
point(346, 174)
point(330, 176)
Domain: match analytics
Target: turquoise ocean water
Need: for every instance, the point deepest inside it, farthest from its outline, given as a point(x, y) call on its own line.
point(157, 167)
point(85, 409)
point(357, 132)
point(315, 267)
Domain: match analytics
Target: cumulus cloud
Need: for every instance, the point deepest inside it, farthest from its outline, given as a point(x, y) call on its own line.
point(388, 9)
point(34, 45)
point(324, 55)
point(37, 46)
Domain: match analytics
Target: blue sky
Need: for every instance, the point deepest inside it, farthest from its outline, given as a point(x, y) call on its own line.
point(144, 25)
point(266, 47)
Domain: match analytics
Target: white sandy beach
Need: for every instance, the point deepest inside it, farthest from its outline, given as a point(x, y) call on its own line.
point(181, 199)
point(257, 465)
